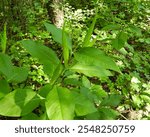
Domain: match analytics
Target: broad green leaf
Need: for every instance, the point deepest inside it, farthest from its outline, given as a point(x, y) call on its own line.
point(86, 83)
point(20, 102)
point(67, 46)
point(89, 94)
point(120, 41)
point(135, 30)
point(45, 90)
point(5, 65)
point(57, 73)
point(62, 38)
point(93, 116)
point(30, 116)
point(83, 105)
point(91, 70)
point(90, 56)
point(59, 104)
point(12, 73)
point(4, 40)
point(56, 32)
point(45, 55)
point(108, 113)
point(72, 81)
point(18, 75)
point(112, 27)
point(99, 91)
point(87, 39)
point(44, 116)
point(4, 88)
point(112, 100)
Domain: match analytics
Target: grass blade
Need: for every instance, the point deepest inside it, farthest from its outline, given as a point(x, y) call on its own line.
point(87, 40)
point(4, 40)
point(67, 46)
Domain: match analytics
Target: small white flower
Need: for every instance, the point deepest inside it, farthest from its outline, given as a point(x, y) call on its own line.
point(135, 80)
point(119, 63)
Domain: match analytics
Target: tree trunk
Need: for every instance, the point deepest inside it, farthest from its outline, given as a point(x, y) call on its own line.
point(55, 12)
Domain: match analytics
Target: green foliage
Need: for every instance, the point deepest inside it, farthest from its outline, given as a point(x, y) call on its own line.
point(120, 41)
point(112, 100)
point(19, 102)
point(45, 55)
point(107, 113)
point(87, 40)
point(95, 67)
point(10, 72)
point(59, 104)
point(90, 70)
point(93, 56)
point(56, 32)
point(62, 38)
point(4, 88)
point(83, 105)
point(67, 47)
point(3, 40)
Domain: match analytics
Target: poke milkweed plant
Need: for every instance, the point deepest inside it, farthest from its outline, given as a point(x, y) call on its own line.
point(70, 94)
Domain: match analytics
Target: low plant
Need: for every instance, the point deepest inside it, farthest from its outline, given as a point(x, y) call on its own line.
point(73, 91)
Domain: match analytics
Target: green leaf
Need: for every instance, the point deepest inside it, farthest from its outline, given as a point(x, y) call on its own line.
point(87, 39)
point(93, 116)
point(12, 73)
point(145, 95)
point(108, 113)
point(90, 56)
point(4, 40)
point(56, 32)
point(45, 55)
point(112, 27)
point(62, 38)
point(44, 116)
point(18, 75)
point(147, 41)
point(72, 81)
point(135, 30)
point(57, 73)
point(45, 90)
point(83, 105)
point(86, 83)
point(30, 116)
point(90, 95)
point(145, 98)
point(67, 46)
point(120, 41)
point(112, 100)
point(91, 70)
point(5, 65)
point(99, 92)
point(137, 102)
point(59, 104)
point(20, 102)
point(4, 88)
